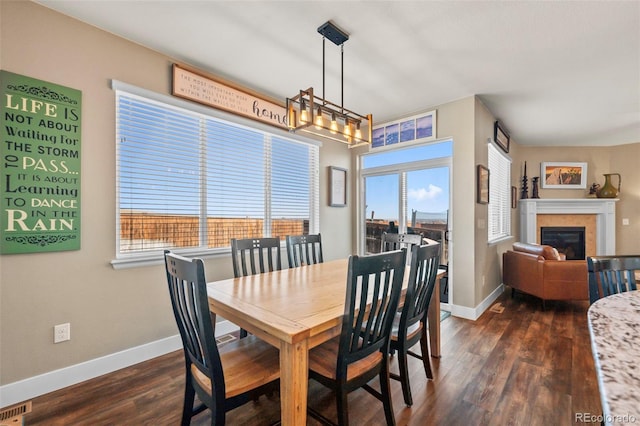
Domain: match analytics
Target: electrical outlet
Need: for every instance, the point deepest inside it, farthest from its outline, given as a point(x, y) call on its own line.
point(61, 333)
point(625, 221)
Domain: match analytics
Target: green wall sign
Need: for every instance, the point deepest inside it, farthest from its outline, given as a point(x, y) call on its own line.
point(40, 165)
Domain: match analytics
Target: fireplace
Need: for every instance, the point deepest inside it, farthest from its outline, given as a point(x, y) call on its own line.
point(603, 209)
point(566, 239)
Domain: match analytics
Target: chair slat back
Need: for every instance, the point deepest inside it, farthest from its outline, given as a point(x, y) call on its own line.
point(422, 280)
point(304, 250)
point(253, 256)
point(391, 241)
point(188, 292)
point(611, 274)
point(374, 284)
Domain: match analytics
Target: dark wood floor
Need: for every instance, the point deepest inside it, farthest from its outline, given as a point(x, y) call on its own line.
point(523, 366)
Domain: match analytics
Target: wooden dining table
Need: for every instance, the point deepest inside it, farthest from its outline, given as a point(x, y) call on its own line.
point(295, 310)
point(614, 327)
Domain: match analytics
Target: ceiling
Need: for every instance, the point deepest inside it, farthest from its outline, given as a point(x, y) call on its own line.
point(555, 72)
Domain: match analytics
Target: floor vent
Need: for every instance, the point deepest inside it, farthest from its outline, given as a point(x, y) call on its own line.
point(225, 339)
point(12, 416)
point(497, 308)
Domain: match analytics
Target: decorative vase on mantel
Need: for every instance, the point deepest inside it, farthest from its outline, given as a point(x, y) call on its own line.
point(608, 190)
point(534, 187)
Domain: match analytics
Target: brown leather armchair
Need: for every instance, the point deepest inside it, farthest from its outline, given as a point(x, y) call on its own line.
point(541, 271)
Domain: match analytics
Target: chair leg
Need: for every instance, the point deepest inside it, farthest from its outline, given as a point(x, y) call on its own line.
point(189, 399)
point(385, 391)
point(218, 417)
point(426, 357)
point(342, 406)
point(404, 377)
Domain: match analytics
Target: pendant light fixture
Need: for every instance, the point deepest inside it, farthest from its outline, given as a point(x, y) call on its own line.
point(309, 113)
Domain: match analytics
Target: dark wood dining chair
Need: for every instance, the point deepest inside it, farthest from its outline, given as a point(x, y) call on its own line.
point(304, 250)
point(611, 274)
point(360, 353)
point(392, 241)
point(410, 324)
point(251, 256)
point(223, 378)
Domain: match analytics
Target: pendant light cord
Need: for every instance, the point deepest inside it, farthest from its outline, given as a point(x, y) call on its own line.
point(323, 40)
point(341, 73)
point(342, 77)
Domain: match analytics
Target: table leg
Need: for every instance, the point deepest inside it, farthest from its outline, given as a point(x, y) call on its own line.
point(294, 378)
point(434, 320)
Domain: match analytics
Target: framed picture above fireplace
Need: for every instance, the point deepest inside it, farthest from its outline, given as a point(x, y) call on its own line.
point(563, 175)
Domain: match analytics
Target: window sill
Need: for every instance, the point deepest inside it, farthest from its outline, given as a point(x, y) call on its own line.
point(500, 240)
point(157, 258)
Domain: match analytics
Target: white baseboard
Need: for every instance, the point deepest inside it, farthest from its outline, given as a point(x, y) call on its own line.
point(32, 387)
point(474, 313)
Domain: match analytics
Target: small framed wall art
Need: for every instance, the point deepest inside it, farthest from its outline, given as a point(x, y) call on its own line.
point(337, 186)
point(500, 136)
point(482, 185)
point(414, 129)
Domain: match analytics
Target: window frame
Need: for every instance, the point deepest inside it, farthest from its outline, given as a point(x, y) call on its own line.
point(140, 258)
point(401, 168)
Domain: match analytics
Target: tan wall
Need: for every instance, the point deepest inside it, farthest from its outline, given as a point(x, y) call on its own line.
point(336, 222)
point(488, 264)
point(456, 120)
point(625, 160)
point(109, 310)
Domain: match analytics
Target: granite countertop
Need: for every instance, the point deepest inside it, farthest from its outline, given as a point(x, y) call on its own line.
point(614, 324)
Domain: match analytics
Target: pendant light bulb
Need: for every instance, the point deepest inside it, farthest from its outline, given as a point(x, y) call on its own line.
point(358, 132)
point(319, 122)
point(347, 130)
point(304, 115)
point(333, 128)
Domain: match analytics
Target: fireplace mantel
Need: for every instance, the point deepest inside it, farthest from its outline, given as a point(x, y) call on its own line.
point(603, 208)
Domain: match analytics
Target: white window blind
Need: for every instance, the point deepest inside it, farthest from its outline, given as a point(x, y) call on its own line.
point(192, 181)
point(499, 216)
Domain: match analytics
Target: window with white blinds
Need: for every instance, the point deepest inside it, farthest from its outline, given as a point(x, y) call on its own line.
point(187, 180)
point(499, 217)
